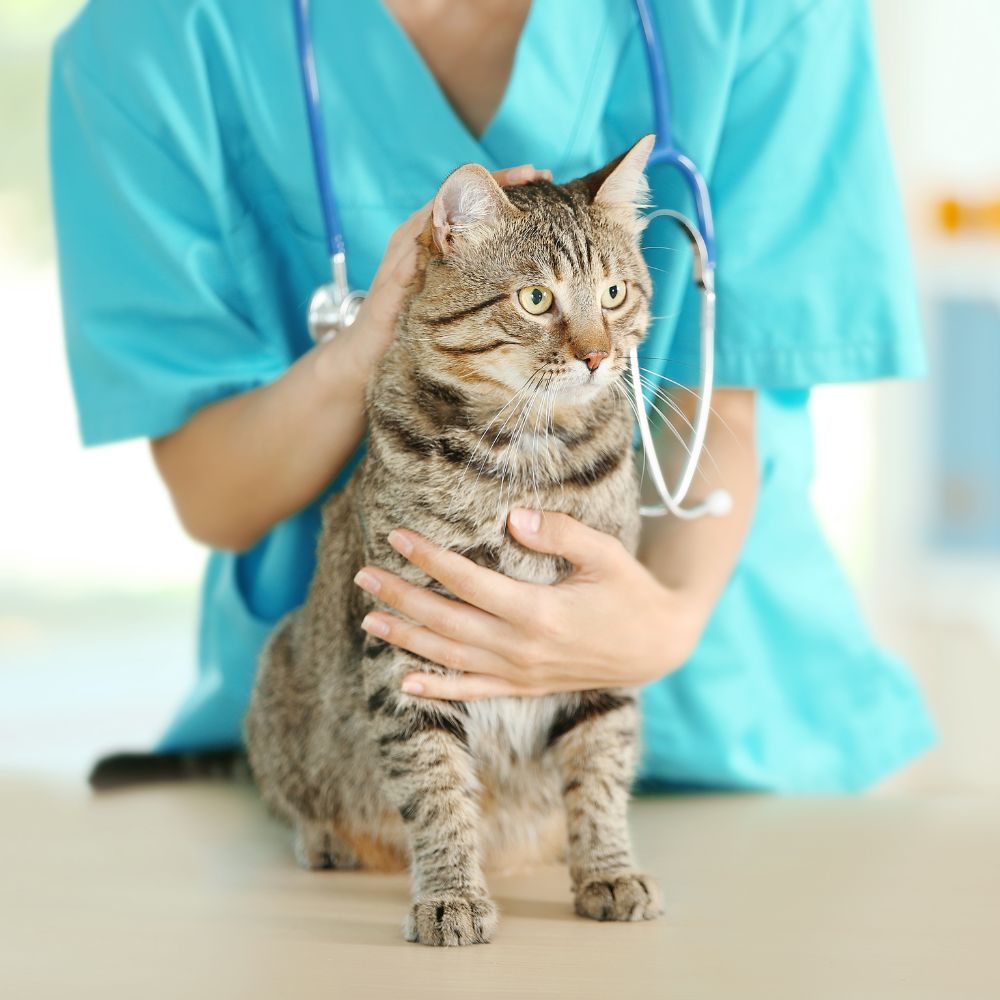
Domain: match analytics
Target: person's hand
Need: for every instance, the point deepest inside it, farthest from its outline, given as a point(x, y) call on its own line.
point(371, 333)
point(609, 624)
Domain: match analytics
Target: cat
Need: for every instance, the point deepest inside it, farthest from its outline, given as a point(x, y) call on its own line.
point(498, 391)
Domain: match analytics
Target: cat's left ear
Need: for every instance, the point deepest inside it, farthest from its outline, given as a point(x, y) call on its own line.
point(468, 201)
point(622, 183)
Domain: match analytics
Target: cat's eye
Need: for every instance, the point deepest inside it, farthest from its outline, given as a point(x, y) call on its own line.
point(536, 299)
point(614, 295)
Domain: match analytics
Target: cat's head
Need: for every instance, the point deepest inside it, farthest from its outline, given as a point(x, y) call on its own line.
point(541, 286)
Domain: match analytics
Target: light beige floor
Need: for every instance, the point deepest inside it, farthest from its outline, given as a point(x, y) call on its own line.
point(190, 891)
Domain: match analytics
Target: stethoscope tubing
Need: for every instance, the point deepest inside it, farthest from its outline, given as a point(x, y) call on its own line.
point(321, 163)
point(334, 305)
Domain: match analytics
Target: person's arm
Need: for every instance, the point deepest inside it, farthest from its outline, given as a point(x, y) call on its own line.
point(616, 621)
point(241, 465)
point(698, 556)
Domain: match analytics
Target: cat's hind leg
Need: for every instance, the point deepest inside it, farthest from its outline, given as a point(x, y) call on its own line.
point(317, 845)
point(594, 743)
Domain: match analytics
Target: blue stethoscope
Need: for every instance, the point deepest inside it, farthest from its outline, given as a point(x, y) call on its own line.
point(334, 306)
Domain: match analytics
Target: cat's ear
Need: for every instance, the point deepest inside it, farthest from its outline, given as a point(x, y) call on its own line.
point(622, 183)
point(469, 199)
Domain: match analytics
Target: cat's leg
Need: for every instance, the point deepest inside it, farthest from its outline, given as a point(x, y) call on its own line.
point(594, 742)
point(430, 778)
point(317, 845)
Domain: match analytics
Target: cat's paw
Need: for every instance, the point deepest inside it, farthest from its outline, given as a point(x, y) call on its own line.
point(619, 897)
point(451, 920)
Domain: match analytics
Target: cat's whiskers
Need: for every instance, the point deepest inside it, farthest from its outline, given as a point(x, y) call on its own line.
point(550, 402)
point(553, 464)
point(693, 392)
point(528, 465)
point(657, 394)
point(539, 408)
point(510, 451)
point(667, 422)
point(475, 448)
point(620, 393)
point(664, 397)
point(515, 459)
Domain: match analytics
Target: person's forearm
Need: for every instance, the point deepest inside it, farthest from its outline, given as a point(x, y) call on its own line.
point(240, 465)
point(697, 557)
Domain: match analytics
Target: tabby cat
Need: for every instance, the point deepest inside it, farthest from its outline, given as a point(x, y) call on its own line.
point(498, 391)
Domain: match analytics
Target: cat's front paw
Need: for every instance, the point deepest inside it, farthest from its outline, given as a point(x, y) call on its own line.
point(451, 920)
point(619, 897)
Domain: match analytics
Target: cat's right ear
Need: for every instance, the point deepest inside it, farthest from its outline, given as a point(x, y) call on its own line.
point(469, 200)
point(621, 185)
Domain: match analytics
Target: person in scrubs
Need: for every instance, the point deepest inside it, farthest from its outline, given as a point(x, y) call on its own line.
point(190, 239)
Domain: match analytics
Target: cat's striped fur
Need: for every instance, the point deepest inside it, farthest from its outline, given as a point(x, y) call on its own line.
point(477, 407)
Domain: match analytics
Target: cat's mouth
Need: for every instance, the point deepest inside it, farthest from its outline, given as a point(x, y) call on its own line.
point(583, 385)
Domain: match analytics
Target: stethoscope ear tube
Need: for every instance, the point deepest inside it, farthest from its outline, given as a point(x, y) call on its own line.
point(719, 502)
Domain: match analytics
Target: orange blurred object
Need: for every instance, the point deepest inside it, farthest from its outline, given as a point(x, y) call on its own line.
point(954, 215)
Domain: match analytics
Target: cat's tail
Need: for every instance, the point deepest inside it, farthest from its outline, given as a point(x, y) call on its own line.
point(120, 770)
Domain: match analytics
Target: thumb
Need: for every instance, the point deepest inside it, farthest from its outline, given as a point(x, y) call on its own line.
point(392, 285)
point(561, 535)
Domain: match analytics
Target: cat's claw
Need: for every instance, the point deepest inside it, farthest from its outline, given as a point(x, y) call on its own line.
point(450, 920)
point(619, 897)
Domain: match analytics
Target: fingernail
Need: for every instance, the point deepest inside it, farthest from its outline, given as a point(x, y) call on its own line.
point(522, 173)
point(376, 626)
point(526, 520)
point(412, 687)
point(366, 581)
point(547, 174)
point(400, 542)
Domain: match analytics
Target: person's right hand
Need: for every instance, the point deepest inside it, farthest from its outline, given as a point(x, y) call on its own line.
point(373, 330)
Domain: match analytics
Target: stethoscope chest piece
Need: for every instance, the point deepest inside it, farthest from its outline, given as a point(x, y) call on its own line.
point(330, 312)
point(333, 306)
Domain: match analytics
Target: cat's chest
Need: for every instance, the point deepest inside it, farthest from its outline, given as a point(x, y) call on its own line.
point(506, 732)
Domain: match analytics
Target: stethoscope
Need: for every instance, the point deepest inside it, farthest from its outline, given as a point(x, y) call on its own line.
point(334, 306)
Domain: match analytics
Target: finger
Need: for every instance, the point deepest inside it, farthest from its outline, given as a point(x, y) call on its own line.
point(483, 588)
point(562, 535)
point(463, 687)
point(391, 284)
point(452, 619)
point(525, 173)
point(431, 646)
point(385, 299)
point(400, 255)
point(401, 251)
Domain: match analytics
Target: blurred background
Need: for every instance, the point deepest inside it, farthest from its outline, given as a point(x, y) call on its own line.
point(98, 585)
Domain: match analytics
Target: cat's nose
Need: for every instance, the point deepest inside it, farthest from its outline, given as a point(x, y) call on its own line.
point(592, 359)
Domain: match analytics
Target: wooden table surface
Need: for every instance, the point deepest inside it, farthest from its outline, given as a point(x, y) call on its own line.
point(191, 891)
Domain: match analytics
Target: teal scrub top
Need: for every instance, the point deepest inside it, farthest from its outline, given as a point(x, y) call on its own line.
point(190, 239)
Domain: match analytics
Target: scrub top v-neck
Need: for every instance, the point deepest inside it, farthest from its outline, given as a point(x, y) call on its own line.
point(545, 112)
point(179, 139)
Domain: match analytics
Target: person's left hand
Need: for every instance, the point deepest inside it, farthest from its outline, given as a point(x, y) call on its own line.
point(609, 624)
